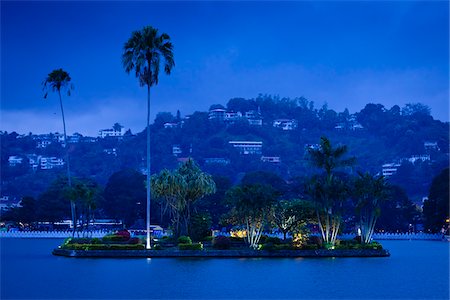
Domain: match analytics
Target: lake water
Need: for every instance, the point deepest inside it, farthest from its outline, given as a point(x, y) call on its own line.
point(415, 270)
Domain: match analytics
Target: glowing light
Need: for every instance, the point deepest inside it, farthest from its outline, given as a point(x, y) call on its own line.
point(238, 233)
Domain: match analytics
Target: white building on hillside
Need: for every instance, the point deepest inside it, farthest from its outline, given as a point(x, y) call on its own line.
point(247, 147)
point(390, 169)
point(271, 159)
point(285, 124)
point(14, 161)
point(48, 163)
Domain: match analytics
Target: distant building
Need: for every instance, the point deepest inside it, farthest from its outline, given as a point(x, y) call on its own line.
point(170, 125)
point(48, 163)
point(34, 161)
point(247, 147)
point(217, 114)
point(112, 132)
point(312, 147)
point(217, 160)
point(110, 151)
point(176, 150)
point(231, 116)
point(254, 118)
point(43, 143)
point(414, 158)
point(6, 203)
point(75, 138)
point(431, 146)
point(271, 159)
point(285, 124)
point(390, 169)
point(14, 161)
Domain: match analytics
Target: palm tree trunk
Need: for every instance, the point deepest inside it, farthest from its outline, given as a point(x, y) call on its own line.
point(69, 180)
point(148, 246)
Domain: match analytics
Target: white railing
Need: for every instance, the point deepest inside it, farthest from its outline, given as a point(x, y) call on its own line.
point(51, 234)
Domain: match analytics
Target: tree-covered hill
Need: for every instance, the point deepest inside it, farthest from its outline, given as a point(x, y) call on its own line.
point(286, 127)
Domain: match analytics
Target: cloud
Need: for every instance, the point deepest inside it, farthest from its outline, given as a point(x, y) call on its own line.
point(219, 79)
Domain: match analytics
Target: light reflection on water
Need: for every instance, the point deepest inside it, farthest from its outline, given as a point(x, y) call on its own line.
point(416, 269)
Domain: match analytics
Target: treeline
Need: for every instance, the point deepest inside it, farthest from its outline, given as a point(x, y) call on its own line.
point(387, 135)
point(191, 202)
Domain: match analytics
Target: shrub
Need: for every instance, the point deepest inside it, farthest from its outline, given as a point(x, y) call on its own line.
point(237, 239)
point(357, 239)
point(274, 240)
point(157, 247)
point(96, 241)
point(80, 241)
point(263, 239)
point(123, 233)
point(310, 247)
point(283, 247)
point(267, 247)
point(315, 240)
point(221, 242)
point(373, 245)
point(66, 241)
point(195, 246)
point(208, 238)
point(115, 238)
point(134, 241)
point(184, 240)
point(104, 247)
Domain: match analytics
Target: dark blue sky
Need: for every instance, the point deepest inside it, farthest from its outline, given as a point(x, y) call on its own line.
point(344, 53)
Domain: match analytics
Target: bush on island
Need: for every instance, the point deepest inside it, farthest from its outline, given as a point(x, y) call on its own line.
point(221, 242)
point(195, 246)
point(157, 247)
point(310, 247)
point(96, 241)
point(115, 238)
point(184, 240)
point(135, 241)
point(315, 240)
point(103, 247)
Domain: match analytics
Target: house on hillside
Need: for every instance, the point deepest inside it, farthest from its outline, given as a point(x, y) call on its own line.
point(247, 147)
point(285, 124)
point(271, 159)
point(48, 163)
point(14, 160)
point(217, 114)
point(431, 146)
point(389, 169)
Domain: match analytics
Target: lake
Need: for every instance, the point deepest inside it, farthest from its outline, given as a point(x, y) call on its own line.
point(415, 270)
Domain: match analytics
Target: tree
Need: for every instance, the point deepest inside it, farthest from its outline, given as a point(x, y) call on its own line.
point(251, 208)
point(329, 191)
point(369, 192)
point(144, 52)
point(124, 196)
point(292, 216)
point(180, 190)
point(328, 194)
point(59, 80)
point(436, 208)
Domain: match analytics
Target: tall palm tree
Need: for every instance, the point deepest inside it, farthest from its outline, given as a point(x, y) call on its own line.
point(144, 52)
point(56, 81)
point(329, 192)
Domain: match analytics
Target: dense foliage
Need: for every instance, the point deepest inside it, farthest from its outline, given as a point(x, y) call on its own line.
point(387, 135)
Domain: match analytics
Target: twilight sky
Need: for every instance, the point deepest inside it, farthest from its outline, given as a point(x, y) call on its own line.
point(346, 54)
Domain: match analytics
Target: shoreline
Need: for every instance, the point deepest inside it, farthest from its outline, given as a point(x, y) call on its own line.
point(246, 253)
